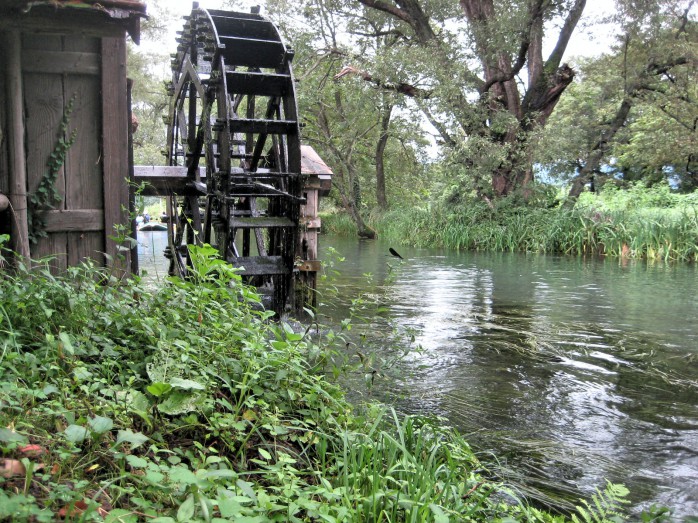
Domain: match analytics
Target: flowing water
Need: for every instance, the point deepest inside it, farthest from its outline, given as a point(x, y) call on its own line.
point(571, 371)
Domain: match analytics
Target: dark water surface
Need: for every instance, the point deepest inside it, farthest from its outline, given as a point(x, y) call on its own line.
point(570, 370)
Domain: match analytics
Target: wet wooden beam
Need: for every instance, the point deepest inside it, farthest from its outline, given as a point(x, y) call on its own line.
point(261, 265)
point(161, 180)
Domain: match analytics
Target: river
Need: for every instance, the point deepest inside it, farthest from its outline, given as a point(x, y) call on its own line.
point(571, 371)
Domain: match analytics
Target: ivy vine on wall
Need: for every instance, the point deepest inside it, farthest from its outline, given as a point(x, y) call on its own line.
point(47, 195)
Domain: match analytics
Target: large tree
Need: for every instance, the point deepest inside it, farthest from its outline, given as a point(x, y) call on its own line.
point(635, 113)
point(477, 70)
point(360, 131)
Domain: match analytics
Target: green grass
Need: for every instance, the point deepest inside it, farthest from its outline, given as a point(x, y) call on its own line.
point(339, 223)
point(120, 403)
point(620, 226)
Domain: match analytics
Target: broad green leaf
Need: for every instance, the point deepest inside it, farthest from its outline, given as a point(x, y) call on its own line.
point(136, 439)
point(136, 461)
point(186, 384)
point(67, 344)
point(182, 475)
point(179, 402)
point(75, 433)
point(186, 509)
point(100, 424)
point(119, 515)
point(159, 388)
point(138, 401)
point(247, 489)
point(229, 507)
point(50, 389)
point(222, 473)
point(9, 436)
point(265, 454)
point(154, 477)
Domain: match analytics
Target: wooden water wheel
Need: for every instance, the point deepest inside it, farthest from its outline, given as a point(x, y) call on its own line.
point(233, 125)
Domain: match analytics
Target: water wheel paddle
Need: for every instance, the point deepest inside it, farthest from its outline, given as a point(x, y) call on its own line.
point(233, 123)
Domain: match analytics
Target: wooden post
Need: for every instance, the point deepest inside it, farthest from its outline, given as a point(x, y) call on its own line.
point(11, 42)
point(115, 126)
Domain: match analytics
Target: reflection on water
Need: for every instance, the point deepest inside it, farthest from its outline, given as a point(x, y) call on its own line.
point(151, 260)
point(592, 362)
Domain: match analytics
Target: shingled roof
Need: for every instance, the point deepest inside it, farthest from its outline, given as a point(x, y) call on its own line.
point(127, 12)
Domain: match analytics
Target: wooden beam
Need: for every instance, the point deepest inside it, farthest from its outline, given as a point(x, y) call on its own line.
point(86, 24)
point(58, 62)
point(79, 220)
point(11, 42)
point(261, 265)
point(159, 180)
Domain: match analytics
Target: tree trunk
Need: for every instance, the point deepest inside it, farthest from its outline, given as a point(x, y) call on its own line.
point(598, 151)
point(380, 154)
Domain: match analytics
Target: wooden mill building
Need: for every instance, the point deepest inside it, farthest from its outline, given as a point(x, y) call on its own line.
point(64, 124)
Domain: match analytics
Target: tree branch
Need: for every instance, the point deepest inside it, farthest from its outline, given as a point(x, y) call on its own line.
point(553, 61)
point(402, 88)
point(536, 12)
point(438, 125)
point(410, 12)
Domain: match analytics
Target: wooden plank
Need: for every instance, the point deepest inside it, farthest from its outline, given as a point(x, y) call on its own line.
point(261, 265)
point(44, 42)
point(115, 142)
point(311, 163)
point(159, 180)
point(74, 220)
point(84, 184)
point(55, 246)
point(148, 172)
point(58, 62)
point(245, 27)
point(264, 222)
point(77, 253)
point(43, 95)
point(249, 125)
point(258, 84)
point(92, 24)
point(82, 44)
point(252, 52)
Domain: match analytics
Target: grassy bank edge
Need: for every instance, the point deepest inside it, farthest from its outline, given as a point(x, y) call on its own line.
point(124, 403)
point(596, 226)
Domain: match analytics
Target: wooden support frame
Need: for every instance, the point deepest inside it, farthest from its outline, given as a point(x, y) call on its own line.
point(115, 144)
point(11, 42)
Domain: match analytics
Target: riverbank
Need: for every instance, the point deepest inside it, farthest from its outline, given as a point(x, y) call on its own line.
point(639, 223)
point(183, 404)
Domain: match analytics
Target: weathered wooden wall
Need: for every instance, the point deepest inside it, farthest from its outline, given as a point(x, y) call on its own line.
point(58, 67)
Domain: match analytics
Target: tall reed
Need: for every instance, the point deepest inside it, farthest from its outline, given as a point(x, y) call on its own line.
point(656, 234)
